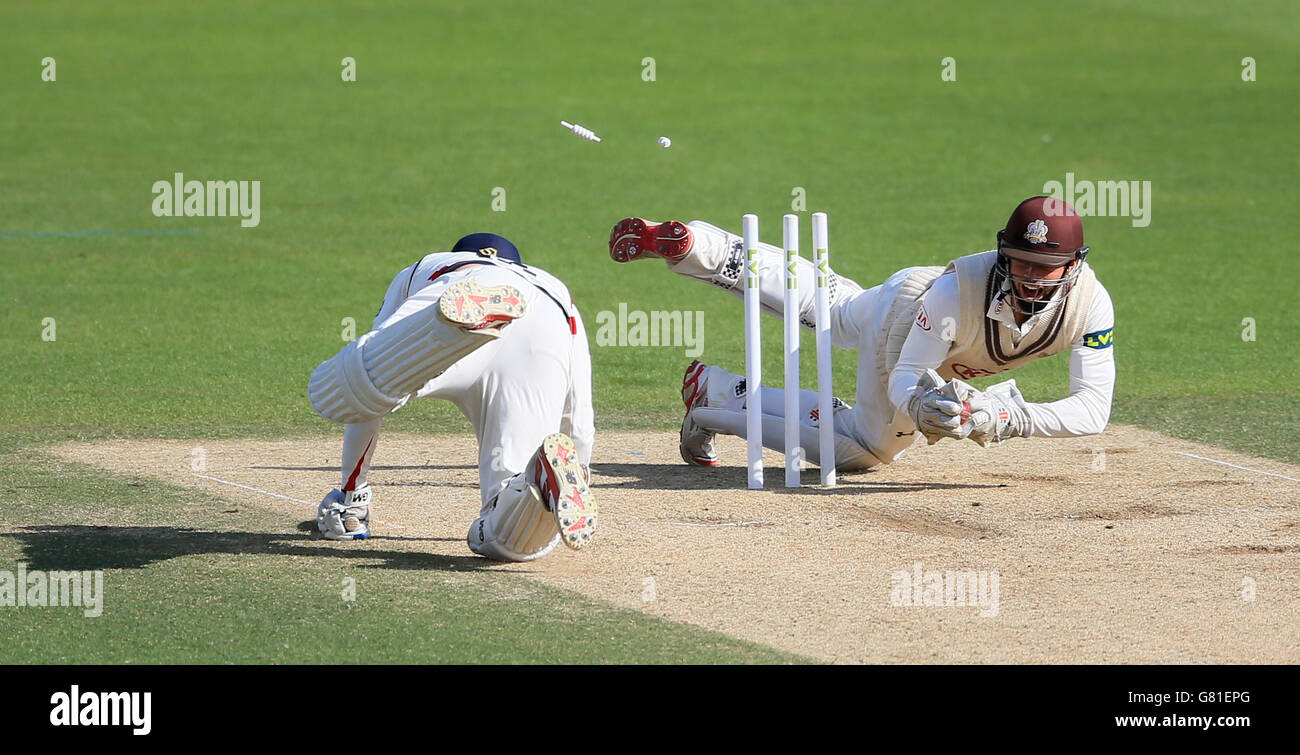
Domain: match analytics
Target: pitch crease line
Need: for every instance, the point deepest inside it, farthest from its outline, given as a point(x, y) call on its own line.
point(711, 524)
point(1237, 466)
point(255, 490)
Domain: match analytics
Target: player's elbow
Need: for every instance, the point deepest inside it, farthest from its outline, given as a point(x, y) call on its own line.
point(1096, 415)
point(1094, 426)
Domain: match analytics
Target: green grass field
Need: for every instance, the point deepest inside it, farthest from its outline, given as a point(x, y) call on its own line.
point(196, 327)
point(191, 584)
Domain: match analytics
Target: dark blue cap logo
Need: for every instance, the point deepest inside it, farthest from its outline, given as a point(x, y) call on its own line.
point(488, 245)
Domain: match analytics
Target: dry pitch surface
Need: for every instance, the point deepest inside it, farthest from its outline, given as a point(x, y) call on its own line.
point(1143, 555)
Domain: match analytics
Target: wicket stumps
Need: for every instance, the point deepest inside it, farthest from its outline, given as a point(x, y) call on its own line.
point(794, 451)
point(825, 391)
point(753, 352)
point(793, 446)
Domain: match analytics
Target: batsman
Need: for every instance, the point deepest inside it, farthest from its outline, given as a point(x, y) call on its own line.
point(920, 336)
point(502, 341)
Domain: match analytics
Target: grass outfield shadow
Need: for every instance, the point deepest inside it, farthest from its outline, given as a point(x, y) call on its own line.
point(679, 477)
point(81, 547)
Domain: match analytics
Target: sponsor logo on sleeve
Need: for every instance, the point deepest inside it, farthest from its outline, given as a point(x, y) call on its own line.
point(1102, 339)
point(922, 319)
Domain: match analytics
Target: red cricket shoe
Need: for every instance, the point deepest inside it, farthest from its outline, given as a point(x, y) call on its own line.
point(634, 238)
point(696, 442)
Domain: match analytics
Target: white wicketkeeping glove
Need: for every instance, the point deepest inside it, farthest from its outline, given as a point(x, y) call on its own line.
point(936, 408)
point(996, 414)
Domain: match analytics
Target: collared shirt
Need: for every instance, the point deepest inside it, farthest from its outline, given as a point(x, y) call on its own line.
point(1085, 411)
point(1002, 310)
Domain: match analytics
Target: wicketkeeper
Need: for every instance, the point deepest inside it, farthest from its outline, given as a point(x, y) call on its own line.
point(503, 342)
point(920, 336)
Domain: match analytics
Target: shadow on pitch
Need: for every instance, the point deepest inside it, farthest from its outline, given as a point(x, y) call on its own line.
point(376, 468)
point(683, 477)
point(79, 547)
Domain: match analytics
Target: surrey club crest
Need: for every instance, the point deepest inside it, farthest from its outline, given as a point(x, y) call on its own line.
point(1037, 232)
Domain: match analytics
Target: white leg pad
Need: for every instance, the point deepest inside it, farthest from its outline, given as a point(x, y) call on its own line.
point(517, 527)
point(341, 391)
point(375, 374)
point(407, 352)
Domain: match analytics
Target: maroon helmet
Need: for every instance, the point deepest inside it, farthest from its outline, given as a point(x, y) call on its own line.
point(1041, 231)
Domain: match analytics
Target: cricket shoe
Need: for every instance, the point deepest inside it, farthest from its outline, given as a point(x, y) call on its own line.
point(558, 475)
point(634, 238)
point(471, 306)
point(345, 515)
point(696, 442)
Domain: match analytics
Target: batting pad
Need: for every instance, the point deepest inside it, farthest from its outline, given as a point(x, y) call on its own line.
point(375, 374)
point(518, 527)
point(340, 390)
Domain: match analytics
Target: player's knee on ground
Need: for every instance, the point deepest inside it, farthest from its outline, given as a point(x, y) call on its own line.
point(517, 526)
point(374, 374)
